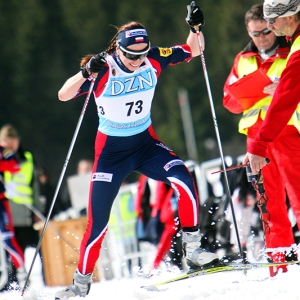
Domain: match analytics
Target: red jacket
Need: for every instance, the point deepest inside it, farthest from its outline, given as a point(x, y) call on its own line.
point(9, 163)
point(229, 101)
point(283, 105)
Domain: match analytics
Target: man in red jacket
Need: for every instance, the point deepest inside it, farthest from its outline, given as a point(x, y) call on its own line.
point(279, 134)
point(268, 53)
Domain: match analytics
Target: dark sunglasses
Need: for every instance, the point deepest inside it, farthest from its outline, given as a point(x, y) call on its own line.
point(271, 20)
point(134, 56)
point(266, 31)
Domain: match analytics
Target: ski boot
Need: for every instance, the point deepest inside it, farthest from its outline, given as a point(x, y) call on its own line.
point(80, 287)
point(197, 257)
point(21, 276)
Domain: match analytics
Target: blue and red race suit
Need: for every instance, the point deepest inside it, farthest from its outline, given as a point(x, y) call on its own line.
point(126, 142)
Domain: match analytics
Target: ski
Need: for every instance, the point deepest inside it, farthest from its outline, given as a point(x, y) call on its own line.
point(223, 267)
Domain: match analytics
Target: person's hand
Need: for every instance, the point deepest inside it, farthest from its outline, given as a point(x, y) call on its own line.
point(194, 16)
point(94, 65)
point(270, 89)
point(256, 162)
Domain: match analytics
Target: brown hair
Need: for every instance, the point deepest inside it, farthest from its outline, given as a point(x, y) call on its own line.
point(8, 131)
point(113, 45)
point(254, 13)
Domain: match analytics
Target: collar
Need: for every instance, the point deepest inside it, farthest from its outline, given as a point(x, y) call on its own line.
point(294, 35)
point(283, 48)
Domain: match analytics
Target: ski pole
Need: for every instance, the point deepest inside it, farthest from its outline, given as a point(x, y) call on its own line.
point(61, 177)
point(197, 29)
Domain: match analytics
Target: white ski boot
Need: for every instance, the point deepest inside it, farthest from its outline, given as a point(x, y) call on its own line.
point(21, 276)
point(80, 287)
point(195, 256)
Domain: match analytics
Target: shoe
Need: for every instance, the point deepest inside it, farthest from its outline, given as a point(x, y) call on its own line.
point(291, 256)
point(195, 256)
point(278, 257)
point(80, 287)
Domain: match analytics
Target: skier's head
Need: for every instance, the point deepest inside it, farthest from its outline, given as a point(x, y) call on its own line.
point(131, 45)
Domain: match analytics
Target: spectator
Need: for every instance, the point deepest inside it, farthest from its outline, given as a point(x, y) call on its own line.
point(84, 166)
point(67, 191)
point(22, 189)
point(8, 163)
point(278, 137)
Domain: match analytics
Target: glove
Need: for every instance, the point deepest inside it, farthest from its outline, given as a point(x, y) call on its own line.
point(94, 65)
point(194, 16)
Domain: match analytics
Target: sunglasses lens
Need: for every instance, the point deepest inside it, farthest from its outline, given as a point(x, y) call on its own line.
point(255, 33)
point(258, 33)
point(270, 20)
point(134, 56)
point(266, 31)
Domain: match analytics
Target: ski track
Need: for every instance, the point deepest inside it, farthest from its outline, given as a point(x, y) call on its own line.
point(233, 285)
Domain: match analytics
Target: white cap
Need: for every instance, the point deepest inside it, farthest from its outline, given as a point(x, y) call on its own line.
point(280, 8)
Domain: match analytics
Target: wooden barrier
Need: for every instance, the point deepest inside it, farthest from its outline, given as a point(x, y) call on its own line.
point(60, 251)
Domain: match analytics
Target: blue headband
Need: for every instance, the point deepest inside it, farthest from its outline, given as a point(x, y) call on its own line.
point(131, 37)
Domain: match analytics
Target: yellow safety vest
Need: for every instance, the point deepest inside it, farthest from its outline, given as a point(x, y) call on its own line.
point(295, 47)
point(250, 116)
point(18, 185)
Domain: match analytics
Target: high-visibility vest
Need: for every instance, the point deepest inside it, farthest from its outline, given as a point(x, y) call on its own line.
point(295, 47)
point(250, 116)
point(18, 185)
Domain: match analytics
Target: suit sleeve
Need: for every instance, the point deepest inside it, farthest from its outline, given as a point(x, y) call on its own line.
point(229, 101)
point(283, 105)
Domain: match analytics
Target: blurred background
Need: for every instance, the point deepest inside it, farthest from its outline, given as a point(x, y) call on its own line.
point(43, 41)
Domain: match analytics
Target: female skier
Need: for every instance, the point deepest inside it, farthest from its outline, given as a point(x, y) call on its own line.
point(126, 142)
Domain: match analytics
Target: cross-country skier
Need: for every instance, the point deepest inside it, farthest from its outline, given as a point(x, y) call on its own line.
point(126, 140)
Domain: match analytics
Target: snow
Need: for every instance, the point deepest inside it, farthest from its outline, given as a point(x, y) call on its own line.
point(255, 284)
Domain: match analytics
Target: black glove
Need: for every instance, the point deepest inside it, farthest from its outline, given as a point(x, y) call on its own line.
point(95, 65)
point(194, 16)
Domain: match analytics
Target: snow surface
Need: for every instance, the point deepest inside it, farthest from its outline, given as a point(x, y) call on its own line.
point(256, 284)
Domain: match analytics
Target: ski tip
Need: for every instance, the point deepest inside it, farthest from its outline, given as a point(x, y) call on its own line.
point(150, 288)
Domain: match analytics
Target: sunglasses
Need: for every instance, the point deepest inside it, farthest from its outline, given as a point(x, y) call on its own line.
point(134, 56)
point(266, 31)
point(271, 20)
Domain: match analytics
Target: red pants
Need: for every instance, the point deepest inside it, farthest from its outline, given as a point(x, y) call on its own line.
point(281, 178)
point(8, 236)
